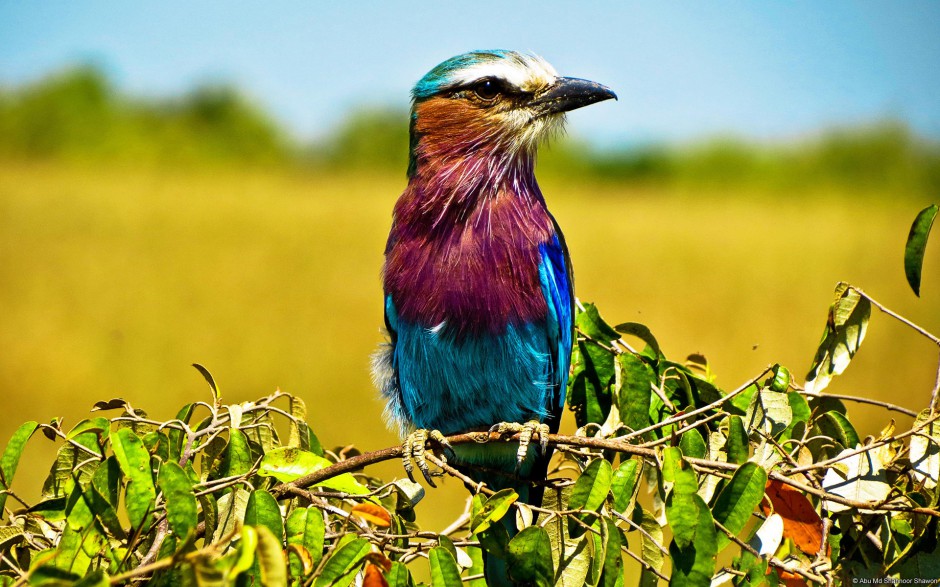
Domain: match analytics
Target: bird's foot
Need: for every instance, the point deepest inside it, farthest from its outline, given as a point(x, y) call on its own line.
point(413, 449)
point(526, 432)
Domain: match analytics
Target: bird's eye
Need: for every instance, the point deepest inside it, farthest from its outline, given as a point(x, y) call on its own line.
point(487, 90)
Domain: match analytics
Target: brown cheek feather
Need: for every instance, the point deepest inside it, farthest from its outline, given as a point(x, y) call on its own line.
point(445, 123)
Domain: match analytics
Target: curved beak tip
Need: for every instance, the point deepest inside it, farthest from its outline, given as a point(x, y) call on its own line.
point(568, 93)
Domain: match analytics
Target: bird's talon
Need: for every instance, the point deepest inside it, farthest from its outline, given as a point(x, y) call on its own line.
point(447, 448)
point(526, 432)
point(413, 449)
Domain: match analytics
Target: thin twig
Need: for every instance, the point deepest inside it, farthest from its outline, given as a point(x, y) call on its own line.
point(896, 316)
point(862, 400)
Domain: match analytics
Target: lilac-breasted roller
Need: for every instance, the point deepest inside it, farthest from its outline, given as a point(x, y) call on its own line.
point(478, 282)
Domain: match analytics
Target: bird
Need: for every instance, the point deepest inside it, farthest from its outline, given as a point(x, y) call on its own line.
point(478, 284)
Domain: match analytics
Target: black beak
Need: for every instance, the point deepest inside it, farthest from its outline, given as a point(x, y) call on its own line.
point(568, 93)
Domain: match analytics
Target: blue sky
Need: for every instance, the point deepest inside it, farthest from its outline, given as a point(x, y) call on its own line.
point(683, 70)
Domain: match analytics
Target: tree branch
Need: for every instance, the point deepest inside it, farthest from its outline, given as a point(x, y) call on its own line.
point(558, 440)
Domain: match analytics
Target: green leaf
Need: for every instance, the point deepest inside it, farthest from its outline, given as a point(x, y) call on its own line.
point(799, 407)
point(693, 561)
point(492, 510)
point(591, 324)
point(246, 550)
point(573, 556)
point(346, 556)
point(740, 402)
point(48, 574)
point(738, 446)
point(651, 540)
point(11, 458)
point(178, 437)
point(589, 493)
point(705, 391)
point(612, 571)
point(781, 379)
point(692, 444)
point(134, 460)
point(635, 392)
point(683, 476)
point(678, 386)
point(72, 463)
point(682, 502)
point(230, 509)
point(576, 393)
point(495, 540)
point(738, 500)
point(925, 450)
point(588, 402)
point(916, 245)
point(210, 514)
point(683, 516)
point(11, 536)
point(599, 365)
point(262, 511)
point(100, 426)
point(530, 557)
point(216, 392)
point(398, 575)
point(78, 514)
point(305, 527)
point(72, 553)
point(836, 426)
point(289, 463)
point(52, 510)
point(116, 403)
point(97, 578)
point(717, 451)
point(623, 483)
point(236, 458)
point(671, 461)
point(447, 543)
point(444, 569)
point(642, 332)
point(860, 477)
point(300, 434)
point(158, 445)
point(769, 412)
point(407, 494)
point(271, 559)
point(917, 567)
point(177, 488)
point(845, 330)
point(259, 428)
point(211, 458)
point(476, 557)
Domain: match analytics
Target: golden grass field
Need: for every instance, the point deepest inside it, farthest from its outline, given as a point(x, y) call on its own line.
point(114, 280)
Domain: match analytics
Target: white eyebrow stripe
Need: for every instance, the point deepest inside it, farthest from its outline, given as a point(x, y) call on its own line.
point(527, 72)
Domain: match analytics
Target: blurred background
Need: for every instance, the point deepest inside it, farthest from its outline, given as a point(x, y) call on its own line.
point(213, 182)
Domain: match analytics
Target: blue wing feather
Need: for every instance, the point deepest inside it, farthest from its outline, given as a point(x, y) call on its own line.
point(554, 275)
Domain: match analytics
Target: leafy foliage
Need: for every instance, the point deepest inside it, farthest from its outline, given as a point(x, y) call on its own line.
point(767, 483)
point(916, 246)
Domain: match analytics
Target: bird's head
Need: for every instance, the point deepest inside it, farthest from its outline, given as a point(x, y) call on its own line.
point(492, 102)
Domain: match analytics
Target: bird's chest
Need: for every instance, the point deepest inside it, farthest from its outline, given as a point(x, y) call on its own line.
point(477, 278)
